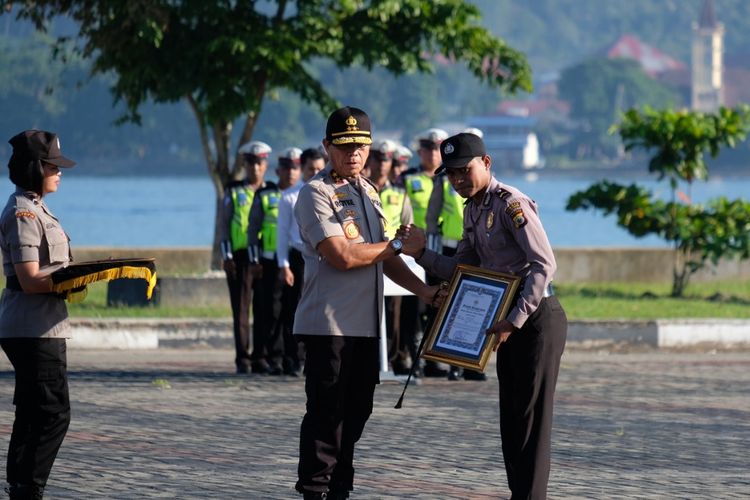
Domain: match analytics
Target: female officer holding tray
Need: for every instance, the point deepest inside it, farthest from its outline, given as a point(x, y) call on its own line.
point(34, 320)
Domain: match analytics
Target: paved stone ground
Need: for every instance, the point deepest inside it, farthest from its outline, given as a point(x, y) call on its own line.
point(175, 423)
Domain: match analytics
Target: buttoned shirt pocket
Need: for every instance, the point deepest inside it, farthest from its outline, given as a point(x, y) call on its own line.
point(57, 242)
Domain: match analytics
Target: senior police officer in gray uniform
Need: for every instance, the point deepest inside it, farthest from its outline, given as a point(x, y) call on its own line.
point(33, 320)
point(502, 232)
point(346, 252)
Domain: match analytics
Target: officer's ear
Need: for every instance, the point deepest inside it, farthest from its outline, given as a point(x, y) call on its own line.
point(487, 161)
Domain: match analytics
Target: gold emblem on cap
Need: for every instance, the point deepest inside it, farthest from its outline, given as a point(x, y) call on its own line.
point(351, 123)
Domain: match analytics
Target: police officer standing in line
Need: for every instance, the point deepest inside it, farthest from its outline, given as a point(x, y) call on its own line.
point(238, 198)
point(445, 225)
point(289, 259)
point(502, 232)
point(338, 317)
point(268, 342)
point(401, 329)
point(419, 185)
point(399, 164)
point(33, 320)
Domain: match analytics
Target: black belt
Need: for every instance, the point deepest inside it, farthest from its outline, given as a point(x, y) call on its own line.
point(548, 290)
point(12, 283)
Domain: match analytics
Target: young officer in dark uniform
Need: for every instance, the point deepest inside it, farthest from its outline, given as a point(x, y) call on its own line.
point(502, 232)
point(34, 321)
point(238, 198)
point(346, 252)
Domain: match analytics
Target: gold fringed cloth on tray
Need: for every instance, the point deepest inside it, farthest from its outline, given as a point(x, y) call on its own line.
point(71, 281)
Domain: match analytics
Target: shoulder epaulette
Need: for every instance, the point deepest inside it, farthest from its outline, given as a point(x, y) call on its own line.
point(368, 181)
point(504, 194)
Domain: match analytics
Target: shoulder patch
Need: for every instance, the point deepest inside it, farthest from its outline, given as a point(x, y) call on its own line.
point(512, 206)
point(518, 218)
point(25, 213)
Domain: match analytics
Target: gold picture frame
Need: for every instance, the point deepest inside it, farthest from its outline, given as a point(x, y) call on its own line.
point(477, 299)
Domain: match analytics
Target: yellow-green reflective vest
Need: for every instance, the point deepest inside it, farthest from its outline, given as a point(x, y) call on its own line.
point(242, 201)
point(270, 201)
point(392, 199)
point(418, 189)
point(452, 214)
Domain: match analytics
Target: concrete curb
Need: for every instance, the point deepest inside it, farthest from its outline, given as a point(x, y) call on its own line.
point(153, 333)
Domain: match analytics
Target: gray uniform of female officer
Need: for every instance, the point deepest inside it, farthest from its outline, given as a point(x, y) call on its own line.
point(33, 320)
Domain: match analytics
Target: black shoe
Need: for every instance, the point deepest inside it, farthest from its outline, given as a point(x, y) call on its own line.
point(259, 368)
point(274, 370)
point(472, 375)
point(310, 495)
point(434, 371)
point(25, 492)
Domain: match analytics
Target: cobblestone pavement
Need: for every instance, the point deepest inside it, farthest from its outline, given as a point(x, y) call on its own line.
point(175, 423)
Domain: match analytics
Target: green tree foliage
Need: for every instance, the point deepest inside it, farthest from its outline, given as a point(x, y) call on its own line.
point(598, 91)
point(678, 142)
point(225, 57)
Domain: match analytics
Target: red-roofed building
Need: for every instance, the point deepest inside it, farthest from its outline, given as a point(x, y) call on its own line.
point(652, 60)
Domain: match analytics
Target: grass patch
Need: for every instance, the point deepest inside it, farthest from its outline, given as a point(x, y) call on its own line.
point(652, 300)
point(95, 306)
point(581, 301)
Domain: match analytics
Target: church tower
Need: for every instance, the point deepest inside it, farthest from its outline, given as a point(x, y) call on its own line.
point(707, 65)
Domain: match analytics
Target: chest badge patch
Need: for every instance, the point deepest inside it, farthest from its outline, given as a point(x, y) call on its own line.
point(490, 220)
point(350, 214)
point(25, 213)
point(351, 230)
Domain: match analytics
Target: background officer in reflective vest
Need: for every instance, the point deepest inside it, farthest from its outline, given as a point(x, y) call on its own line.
point(268, 347)
point(238, 198)
point(399, 164)
point(418, 183)
point(445, 226)
point(401, 328)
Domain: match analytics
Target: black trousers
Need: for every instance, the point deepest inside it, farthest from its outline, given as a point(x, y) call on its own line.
point(240, 284)
point(527, 368)
point(290, 295)
point(341, 375)
point(268, 346)
point(404, 329)
point(42, 407)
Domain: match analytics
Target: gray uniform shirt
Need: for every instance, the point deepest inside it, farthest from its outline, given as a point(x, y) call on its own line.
point(333, 302)
point(503, 233)
point(29, 232)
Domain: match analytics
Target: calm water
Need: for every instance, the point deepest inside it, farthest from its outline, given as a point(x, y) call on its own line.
point(179, 211)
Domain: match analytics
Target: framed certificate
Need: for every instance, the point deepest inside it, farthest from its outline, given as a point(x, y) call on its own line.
point(477, 299)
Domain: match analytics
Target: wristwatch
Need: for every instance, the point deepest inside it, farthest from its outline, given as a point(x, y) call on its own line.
point(396, 245)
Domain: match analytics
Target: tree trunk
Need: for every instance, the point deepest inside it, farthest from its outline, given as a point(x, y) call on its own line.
point(680, 273)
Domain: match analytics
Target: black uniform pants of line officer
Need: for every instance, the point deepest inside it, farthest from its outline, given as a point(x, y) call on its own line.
point(341, 375)
point(527, 368)
point(240, 283)
point(268, 346)
point(42, 409)
point(402, 316)
point(290, 295)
